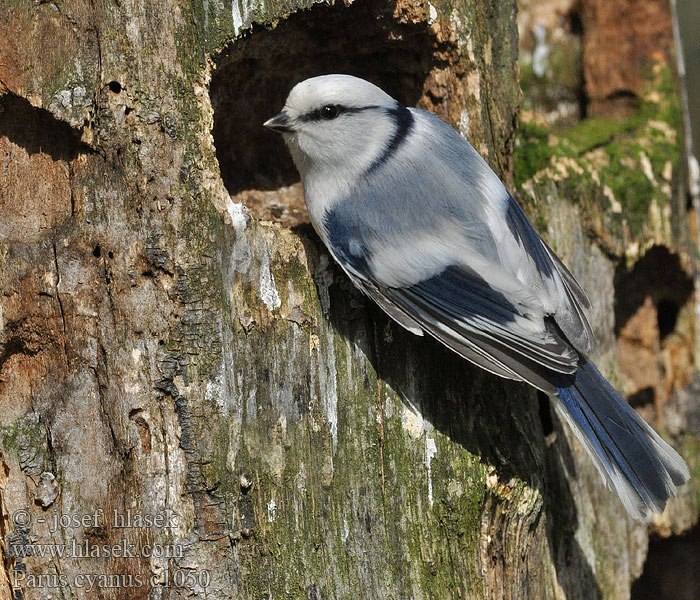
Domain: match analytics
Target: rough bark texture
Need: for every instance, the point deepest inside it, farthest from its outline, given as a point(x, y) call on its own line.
point(166, 351)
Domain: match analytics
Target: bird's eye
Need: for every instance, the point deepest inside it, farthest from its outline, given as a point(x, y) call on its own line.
point(330, 111)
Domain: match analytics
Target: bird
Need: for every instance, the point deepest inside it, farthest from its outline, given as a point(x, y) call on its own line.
point(419, 222)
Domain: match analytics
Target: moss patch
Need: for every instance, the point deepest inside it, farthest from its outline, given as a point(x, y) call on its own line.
point(532, 151)
point(626, 166)
point(25, 438)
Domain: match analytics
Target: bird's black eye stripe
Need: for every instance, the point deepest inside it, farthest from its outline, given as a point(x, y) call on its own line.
point(329, 112)
point(325, 113)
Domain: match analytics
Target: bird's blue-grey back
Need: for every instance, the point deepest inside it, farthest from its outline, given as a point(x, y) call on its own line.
point(444, 214)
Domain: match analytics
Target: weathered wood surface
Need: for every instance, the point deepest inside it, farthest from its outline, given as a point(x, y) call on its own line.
point(164, 352)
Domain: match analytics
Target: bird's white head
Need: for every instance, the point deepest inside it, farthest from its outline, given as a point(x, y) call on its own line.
point(336, 124)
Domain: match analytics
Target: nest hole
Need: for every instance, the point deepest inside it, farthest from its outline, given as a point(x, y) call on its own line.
point(255, 73)
point(574, 22)
point(672, 569)
point(667, 317)
point(649, 299)
point(660, 276)
point(642, 398)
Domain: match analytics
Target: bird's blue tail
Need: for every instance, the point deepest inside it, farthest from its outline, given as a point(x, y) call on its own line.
point(643, 469)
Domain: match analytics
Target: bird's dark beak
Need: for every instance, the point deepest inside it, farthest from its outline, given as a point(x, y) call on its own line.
point(280, 122)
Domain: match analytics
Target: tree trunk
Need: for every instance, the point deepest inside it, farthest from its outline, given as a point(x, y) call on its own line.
point(194, 399)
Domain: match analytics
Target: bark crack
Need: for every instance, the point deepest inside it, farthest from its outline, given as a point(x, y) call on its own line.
point(98, 82)
point(492, 130)
point(380, 427)
point(103, 408)
point(380, 411)
point(101, 386)
point(72, 189)
point(163, 428)
point(60, 302)
point(311, 471)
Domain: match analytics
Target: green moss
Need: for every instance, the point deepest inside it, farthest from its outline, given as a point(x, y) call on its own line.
point(593, 133)
point(292, 270)
point(541, 221)
point(25, 438)
point(688, 445)
point(629, 157)
point(666, 106)
point(448, 490)
point(532, 151)
point(630, 186)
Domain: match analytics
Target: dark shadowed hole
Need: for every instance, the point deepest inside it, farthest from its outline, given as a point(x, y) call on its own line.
point(573, 19)
point(658, 275)
point(672, 569)
point(97, 251)
point(115, 86)
point(545, 412)
point(254, 75)
point(623, 102)
point(627, 95)
point(643, 397)
point(667, 311)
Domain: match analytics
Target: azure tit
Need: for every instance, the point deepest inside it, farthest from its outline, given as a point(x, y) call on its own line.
point(423, 226)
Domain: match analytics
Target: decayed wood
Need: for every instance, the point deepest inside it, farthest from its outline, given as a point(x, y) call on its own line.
point(200, 386)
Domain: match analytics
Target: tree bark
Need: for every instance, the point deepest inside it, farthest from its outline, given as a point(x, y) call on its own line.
point(194, 396)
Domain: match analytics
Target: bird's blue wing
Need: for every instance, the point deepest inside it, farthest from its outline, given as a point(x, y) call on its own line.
point(460, 309)
point(571, 319)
